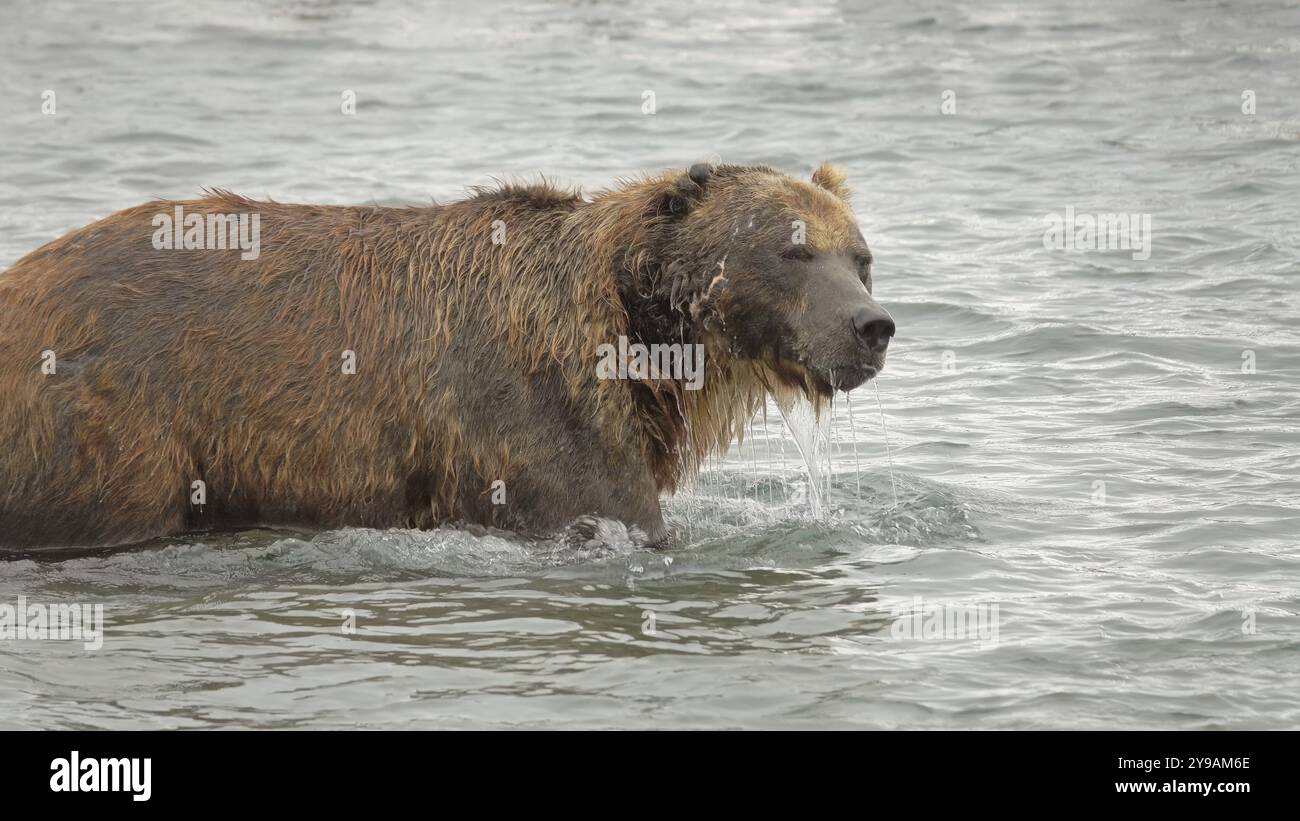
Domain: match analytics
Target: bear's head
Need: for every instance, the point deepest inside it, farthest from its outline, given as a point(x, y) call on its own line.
point(777, 271)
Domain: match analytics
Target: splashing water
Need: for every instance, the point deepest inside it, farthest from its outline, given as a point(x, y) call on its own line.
point(753, 479)
point(813, 438)
point(853, 437)
point(884, 435)
point(806, 430)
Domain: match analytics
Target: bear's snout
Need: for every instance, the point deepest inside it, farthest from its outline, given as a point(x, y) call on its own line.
point(873, 326)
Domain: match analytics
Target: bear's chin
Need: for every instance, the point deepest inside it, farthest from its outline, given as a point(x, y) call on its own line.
point(815, 383)
point(819, 384)
point(846, 379)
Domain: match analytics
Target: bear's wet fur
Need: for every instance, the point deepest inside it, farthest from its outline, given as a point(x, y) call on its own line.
point(474, 360)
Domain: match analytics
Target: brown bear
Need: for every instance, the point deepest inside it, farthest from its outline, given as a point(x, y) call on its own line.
point(226, 363)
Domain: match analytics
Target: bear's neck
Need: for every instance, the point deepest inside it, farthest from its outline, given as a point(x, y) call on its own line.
point(681, 418)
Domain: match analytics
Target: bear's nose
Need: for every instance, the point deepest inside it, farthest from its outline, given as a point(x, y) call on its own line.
point(874, 326)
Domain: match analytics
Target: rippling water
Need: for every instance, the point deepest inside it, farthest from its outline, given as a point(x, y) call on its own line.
point(1104, 448)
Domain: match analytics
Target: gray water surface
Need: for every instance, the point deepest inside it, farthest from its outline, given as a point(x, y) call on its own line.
point(1078, 438)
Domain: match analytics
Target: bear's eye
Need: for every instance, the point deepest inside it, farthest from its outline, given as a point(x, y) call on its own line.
point(799, 253)
point(863, 261)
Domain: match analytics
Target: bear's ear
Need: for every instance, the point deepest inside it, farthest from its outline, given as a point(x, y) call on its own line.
point(686, 189)
point(832, 179)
